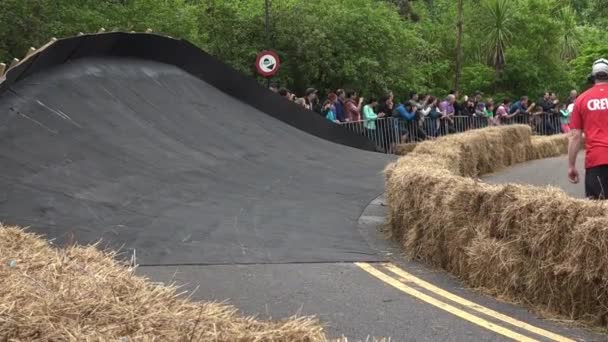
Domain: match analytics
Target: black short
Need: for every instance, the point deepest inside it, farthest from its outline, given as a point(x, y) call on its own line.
point(596, 182)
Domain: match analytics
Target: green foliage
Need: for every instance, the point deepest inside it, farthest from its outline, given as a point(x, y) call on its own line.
point(26, 23)
point(498, 30)
point(476, 77)
point(511, 47)
point(594, 48)
point(570, 33)
point(361, 44)
point(539, 37)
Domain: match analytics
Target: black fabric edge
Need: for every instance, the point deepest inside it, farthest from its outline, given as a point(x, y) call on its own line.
point(193, 60)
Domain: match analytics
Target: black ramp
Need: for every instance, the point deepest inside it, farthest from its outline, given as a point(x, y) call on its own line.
point(191, 59)
point(145, 156)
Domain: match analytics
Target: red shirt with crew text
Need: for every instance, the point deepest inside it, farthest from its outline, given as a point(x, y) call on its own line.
point(590, 114)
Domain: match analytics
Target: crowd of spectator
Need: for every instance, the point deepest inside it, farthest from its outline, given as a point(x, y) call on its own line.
point(423, 116)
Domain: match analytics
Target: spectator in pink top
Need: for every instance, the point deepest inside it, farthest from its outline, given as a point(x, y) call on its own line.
point(352, 107)
point(502, 112)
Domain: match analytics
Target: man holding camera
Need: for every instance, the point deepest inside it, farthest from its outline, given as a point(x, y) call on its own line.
point(590, 116)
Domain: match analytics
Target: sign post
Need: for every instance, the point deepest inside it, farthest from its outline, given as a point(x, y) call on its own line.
point(267, 28)
point(267, 64)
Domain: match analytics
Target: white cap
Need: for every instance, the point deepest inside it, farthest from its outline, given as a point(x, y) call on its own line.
point(600, 66)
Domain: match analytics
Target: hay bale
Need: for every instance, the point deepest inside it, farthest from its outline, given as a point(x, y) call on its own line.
point(530, 244)
point(549, 146)
point(404, 149)
point(81, 293)
point(496, 265)
point(584, 271)
point(484, 150)
point(463, 227)
point(417, 195)
point(587, 250)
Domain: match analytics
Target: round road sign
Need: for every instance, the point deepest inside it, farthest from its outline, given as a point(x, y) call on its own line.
point(267, 63)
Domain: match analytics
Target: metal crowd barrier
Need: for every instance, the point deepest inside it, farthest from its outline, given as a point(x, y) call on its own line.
point(387, 133)
point(383, 132)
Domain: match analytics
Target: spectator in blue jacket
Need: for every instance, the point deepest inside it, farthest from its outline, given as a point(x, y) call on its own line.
point(409, 130)
point(339, 105)
point(405, 112)
point(520, 107)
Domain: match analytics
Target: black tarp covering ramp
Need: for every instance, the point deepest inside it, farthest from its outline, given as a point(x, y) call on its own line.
point(177, 162)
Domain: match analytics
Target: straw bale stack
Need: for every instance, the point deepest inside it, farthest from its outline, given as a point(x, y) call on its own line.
point(534, 245)
point(83, 294)
point(404, 149)
point(549, 146)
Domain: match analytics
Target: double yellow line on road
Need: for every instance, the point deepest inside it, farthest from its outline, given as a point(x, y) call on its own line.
point(407, 283)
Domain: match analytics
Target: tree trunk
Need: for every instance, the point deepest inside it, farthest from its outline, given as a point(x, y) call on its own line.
point(459, 46)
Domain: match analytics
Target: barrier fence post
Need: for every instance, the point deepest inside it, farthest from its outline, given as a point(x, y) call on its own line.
point(397, 132)
point(477, 121)
point(385, 129)
point(458, 124)
point(400, 130)
point(558, 123)
point(380, 134)
point(14, 62)
point(388, 134)
point(411, 127)
point(30, 51)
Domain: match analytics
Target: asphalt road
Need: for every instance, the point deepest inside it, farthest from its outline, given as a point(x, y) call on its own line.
point(349, 302)
point(544, 172)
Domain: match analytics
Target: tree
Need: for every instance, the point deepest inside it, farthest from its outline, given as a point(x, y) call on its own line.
point(406, 9)
point(504, 46)
point(569, 38)
point(498, 31)
point(593, 48)
point(28, 23)
point(370, 48)
point(459, 45)
point(596, 12)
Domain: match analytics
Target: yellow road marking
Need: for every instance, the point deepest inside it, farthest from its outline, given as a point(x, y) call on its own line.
point(444, 306)
point(467, 303)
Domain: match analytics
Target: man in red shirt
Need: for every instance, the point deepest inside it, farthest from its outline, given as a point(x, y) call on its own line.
point(590, 116)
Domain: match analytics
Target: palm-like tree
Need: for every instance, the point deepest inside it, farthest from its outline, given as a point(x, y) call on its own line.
point(498, 31)
point(570, 37)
